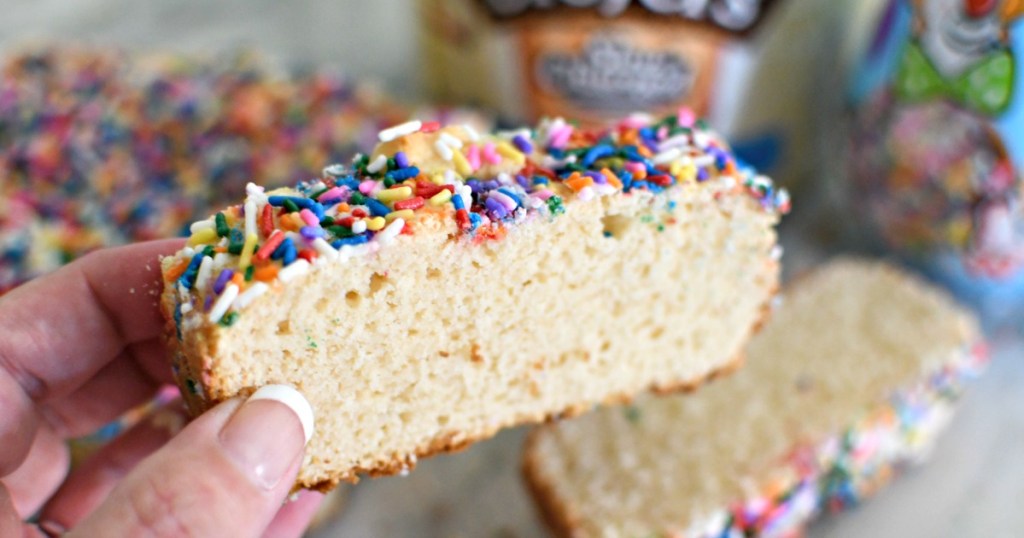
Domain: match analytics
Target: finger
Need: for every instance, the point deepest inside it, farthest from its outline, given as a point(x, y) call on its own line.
point(10, 521)
point(293, 518)
point(234, 463)
point(18, 424)
point(40, 474)
point(107, 299)
point(90, 484)
point(118, 387)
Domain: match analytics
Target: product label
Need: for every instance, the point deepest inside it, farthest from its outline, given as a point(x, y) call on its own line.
point(611, 75)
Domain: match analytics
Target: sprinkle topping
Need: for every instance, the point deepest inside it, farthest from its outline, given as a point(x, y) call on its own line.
point(484, 184)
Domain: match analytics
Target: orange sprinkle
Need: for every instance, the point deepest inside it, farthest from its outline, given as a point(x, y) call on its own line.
point(239, 280)
point(266, 273)
point(577, 182)
point(612, 178)
point(343, 208)
point(642, 150)
point(730, 168)
point(175, 272)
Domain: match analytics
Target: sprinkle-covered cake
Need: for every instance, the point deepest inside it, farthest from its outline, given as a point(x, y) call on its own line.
point(451, 283)
point(853, 377)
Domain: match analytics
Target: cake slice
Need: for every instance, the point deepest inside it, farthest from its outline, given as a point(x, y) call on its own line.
point(855, 374)
point(451, 284)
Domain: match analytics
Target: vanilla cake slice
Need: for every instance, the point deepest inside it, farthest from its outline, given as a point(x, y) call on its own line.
point(451, 283)
point(853, 376)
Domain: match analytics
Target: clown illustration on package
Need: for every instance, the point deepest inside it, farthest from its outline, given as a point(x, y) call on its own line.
point(938, 136)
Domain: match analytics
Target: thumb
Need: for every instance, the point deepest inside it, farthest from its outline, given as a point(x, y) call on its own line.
point(226, 473)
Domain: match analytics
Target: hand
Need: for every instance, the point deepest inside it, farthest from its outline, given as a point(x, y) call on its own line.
point(83, 345)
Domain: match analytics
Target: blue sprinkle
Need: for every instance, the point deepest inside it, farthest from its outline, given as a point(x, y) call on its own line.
point(630, 153)
point(188, 278)
point(474, 220)
point(457, 202)
point(282, 248)
point(597, 152)
point(556, 153)
point(540, 180)
point(289, 254)
point(354, 240)
point(642, 184)
point(177, 320)
point(702, 174)
point(598, 177)
point(522, 144)
point(474, 185)
point(496, 209)
point(522, 181)
point(403, 174)
point(510, 194)
point(401, 160)
point(302, 203)
point(311, 232)
point(626, 177)
point(647, 133)
point(351, 182)
point(376, 207)
point(491, 185)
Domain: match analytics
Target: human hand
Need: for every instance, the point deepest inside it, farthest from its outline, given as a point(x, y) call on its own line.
point(83, 345)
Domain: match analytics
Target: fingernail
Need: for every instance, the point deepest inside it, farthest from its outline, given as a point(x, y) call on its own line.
point(268, 432)
point(52, 528)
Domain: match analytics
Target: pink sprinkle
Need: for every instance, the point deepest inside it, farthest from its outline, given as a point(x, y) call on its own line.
point(309, 218)
point(662, 132)
point(334, 193)
point(686, 117)
point(473, 156)
point(634, 167)
point(367, 186)
point(560, 138)
point(543, 194)
point(633, 122)
point(490, 155)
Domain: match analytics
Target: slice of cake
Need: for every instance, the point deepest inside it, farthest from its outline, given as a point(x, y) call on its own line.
point(855, 373)
point(451, 284)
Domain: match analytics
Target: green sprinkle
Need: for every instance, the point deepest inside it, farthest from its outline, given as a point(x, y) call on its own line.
point(340, 231)
point(327, 221)
point(208, 251)
point(310, 342)
point(316, 195)
point(388, 182)
point(357, 198)
point(632, 413)
point(222, 225)
point(555, 205)
point(392, 165)
point(235, 242)
point(229, 319)
point(290, 206)
point(661, 227)
point(249, 272)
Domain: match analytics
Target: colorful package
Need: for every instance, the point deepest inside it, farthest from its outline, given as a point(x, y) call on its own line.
point(937, 142)
point(749, 66)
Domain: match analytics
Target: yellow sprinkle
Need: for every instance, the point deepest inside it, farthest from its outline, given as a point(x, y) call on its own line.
point(506, 150)
point(461, 164)
point(687, 172)
point(438, 178)
point(395, 194)
point(404, 214)
point(676, 167)
point(441, 198)
point(375, 224)
point(208, 235)
point(245, 260)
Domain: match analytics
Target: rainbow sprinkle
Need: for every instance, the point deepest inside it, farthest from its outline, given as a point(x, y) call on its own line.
point(482, 186)
point(99, 147)
point(841, 471)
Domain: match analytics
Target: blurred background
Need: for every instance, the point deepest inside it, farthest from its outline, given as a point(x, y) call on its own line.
point(898, 125)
